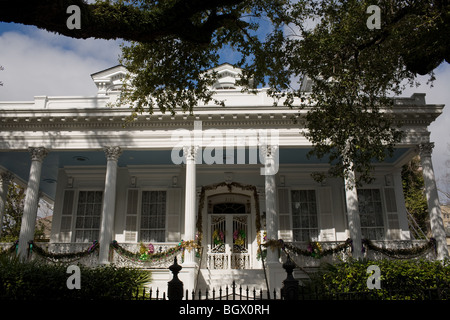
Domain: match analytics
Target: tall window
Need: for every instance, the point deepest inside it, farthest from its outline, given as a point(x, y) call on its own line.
point(153, 216)
point(371, 213)
point(89, 211)
point(304, 215)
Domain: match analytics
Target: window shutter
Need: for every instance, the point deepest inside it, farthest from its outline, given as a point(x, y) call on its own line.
point(391, 208)
point(284, 214)
point(65, 227)
point(131, 216)
point(327, 230)
point(173, 214)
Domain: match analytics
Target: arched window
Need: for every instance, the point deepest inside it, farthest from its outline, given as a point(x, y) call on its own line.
point(228, 207)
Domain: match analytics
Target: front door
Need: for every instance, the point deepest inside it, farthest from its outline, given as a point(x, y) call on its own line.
point(228, 241)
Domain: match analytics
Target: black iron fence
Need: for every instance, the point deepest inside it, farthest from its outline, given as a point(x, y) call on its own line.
point(231, 292)
point(234, 292)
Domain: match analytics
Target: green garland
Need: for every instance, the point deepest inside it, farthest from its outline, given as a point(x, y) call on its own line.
point(314, 248)
point(152, 257)
point(11, 249)
point(33, 247)
point(400, 253)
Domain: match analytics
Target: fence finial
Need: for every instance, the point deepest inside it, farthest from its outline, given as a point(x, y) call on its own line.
point(175, 286)
point(290, 288)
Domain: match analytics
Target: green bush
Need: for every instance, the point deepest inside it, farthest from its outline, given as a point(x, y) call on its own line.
point(400, 279)
point(37, 280)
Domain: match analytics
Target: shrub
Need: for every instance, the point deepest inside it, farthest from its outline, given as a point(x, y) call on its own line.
point(400, 279)
point(37, 280)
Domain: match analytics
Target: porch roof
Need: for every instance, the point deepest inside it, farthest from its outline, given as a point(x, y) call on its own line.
point(18, 162)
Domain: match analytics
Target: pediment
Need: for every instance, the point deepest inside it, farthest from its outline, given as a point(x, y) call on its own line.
point(110, 79)
point(227, 75)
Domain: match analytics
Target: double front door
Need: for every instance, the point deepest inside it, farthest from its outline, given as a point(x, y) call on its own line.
point(228, 246)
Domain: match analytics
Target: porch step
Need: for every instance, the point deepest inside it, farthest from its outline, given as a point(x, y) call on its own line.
point(215, 279)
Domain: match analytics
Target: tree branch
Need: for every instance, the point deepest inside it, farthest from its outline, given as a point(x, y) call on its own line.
point(116, 20)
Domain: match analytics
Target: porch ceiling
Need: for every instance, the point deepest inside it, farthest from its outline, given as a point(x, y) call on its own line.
point(19, 162)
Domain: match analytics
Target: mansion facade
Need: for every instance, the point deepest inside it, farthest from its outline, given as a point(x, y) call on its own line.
point(226, 179)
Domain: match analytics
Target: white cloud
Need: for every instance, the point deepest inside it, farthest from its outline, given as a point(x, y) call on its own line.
point(43, 63)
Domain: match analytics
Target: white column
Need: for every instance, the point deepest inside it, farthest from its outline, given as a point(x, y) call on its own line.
point(109, 203)
point(434, 208)
point(275, 272)
point(31, 201)
point(270, 194)
point(189, 205)
point(5, 179)
point(354, 224)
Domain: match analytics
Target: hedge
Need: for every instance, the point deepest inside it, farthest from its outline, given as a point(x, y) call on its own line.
point(400, 279)
point(38, 280)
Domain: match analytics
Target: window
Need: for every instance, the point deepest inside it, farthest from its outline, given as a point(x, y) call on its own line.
point(153, 216)
point(371, 213)
point(304, 215)
point(229, 208)
point(89, 211)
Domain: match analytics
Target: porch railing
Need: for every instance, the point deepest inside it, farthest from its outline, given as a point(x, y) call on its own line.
point(228, 260)
point(385, 249)
point(160, 263)
point(47, 251)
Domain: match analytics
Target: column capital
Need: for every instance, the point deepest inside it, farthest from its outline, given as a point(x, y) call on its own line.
point(425, 149)
point(112, 153)
point(37, 153)
point(7, 176)
point(190, 152)
point(267, 150)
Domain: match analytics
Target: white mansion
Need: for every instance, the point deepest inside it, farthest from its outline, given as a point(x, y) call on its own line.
point(225, 178)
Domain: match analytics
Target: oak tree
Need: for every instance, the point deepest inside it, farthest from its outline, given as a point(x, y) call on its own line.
point(354, 70)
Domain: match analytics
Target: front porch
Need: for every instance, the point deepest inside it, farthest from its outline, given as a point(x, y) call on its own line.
point(307, 257)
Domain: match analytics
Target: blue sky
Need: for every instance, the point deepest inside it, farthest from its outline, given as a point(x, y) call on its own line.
point(37, 62)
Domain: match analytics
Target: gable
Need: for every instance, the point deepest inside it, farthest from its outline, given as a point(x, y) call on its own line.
point(110, 79)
